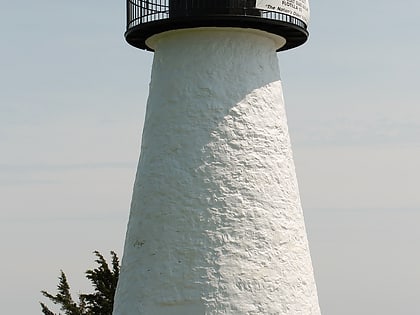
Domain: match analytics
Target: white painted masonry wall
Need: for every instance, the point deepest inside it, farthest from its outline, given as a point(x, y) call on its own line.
point(216, 225)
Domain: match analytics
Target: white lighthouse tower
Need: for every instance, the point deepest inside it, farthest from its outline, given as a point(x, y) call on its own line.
point(216, 225)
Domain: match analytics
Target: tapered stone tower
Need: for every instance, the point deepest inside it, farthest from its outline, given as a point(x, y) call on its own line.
point(216, 225)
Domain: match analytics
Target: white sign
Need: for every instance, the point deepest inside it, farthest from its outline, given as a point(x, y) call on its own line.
point(296, 8)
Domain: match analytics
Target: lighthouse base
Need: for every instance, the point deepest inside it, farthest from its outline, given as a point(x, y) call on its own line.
point(216, 225)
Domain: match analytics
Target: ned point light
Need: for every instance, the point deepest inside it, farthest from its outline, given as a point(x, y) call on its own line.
point(216, 224)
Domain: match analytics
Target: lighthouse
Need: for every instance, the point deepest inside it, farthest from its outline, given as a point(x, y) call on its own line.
point(216, 224)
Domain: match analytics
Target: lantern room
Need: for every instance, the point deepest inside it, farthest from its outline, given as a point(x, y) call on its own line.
point(287, 19)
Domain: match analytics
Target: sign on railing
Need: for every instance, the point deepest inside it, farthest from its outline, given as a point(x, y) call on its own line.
point(296, 8)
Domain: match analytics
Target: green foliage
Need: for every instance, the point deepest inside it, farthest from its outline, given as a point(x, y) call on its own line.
point(63, 298)
point(104, 282)
point(100, 302)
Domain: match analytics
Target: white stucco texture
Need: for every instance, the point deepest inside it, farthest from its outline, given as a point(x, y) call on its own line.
point(216, 225)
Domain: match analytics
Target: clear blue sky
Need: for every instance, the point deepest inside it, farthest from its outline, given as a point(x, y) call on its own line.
point(72, 103)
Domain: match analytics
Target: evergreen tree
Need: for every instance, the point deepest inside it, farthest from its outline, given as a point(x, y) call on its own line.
point(104, 282)
point(100, 302)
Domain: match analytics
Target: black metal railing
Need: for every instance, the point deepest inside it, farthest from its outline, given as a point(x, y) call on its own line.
point(144, 11)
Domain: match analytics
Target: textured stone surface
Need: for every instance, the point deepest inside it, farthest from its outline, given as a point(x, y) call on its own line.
point(216, 225)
